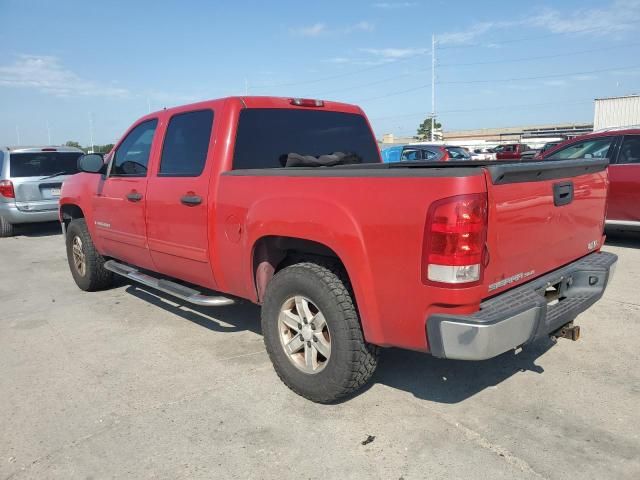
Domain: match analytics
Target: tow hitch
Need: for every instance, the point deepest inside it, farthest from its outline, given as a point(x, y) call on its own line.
point(570, 331)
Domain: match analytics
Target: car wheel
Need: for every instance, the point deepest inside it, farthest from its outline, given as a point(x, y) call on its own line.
point(86, 264)
point(6, 228)
point(312, 332)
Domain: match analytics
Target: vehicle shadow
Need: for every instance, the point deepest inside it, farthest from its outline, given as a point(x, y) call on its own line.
point(426, 377)
point(452, 381)
point(240, 316)
point(623, 238)
point(47, 229)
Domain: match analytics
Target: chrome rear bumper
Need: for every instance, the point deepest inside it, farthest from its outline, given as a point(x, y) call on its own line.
point(522, 314)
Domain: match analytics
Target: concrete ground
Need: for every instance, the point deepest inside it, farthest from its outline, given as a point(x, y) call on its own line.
point(126, 384)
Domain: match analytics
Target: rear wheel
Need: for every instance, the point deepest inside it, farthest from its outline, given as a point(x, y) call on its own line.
point(86, 264)
point(312, 333)
point(6, 228)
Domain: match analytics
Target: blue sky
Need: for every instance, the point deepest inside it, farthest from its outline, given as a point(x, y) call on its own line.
point(500, 63)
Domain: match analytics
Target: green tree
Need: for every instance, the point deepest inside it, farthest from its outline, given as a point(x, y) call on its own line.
point(71, 143)
point(103, 148)
point(424, 129)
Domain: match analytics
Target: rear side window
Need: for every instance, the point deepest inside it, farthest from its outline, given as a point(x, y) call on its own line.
point(458, 153)
point(592, 148)
point(42, 164)
point(266, 136)
point(132, 156)
point(630, 150)
point(186, 144)
point(410, 155)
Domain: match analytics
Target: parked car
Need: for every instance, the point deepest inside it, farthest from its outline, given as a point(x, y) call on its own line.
point(529, 154)
point(235, 195)
point(30, 182)
point(622, 148)
point(547, 146)
point(483, 154)
point(433, 153)
point(391, 154)
point(511, 151)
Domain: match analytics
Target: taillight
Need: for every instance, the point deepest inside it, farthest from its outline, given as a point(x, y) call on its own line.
point(306, 102)
point(445, 154)
point(6, 189)
point(454, 240)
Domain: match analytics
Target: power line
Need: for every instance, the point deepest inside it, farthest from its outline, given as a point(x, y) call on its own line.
point(515, 60)
point(539, 77)
point(420, 87)
point(342, 75)
point(540, 57)
point(537, 37)
point(503, 107)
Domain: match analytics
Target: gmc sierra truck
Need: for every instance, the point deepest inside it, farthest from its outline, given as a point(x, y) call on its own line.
point(286, 203)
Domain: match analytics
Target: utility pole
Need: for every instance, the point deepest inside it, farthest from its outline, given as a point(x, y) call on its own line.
point(433, 86)
point(91, 130)
point(48, 134)
point(18, 134)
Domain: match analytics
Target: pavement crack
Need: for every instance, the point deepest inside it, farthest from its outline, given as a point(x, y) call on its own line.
point(487, 444)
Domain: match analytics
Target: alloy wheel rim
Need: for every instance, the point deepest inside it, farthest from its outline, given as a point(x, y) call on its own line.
point(79, 258)
point(304, 334)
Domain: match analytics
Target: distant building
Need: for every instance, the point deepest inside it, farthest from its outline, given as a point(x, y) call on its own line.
point(612, 112)
point(391, 139)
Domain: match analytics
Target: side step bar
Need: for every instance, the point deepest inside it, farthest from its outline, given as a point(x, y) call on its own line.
point(180, 291)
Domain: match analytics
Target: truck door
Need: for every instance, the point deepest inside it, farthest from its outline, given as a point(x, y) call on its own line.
point(624, 189)
point(177, 199)
point(119, 201)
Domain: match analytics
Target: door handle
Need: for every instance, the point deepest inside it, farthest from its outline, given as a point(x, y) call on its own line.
point(191, 200)
point(134, 196)
point(562, 193)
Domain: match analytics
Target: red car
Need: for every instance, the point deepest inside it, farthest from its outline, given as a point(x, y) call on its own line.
point(622, 148)
point(285, 202)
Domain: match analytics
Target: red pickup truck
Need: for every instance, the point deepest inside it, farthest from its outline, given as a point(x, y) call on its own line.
point(285, 202)
point(512, 151)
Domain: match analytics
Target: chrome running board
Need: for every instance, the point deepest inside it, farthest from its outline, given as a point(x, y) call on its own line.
point(167, 286)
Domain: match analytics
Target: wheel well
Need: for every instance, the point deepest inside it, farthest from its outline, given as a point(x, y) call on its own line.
point(70, 212)
point(273, 253)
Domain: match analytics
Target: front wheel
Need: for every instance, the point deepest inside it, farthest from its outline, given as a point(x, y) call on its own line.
point(85, 263)
point(312, 333)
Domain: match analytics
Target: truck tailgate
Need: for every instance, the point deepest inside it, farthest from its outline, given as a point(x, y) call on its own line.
point(542, 215)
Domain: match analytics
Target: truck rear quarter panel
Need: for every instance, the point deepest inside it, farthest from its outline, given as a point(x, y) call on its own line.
point(375, 224)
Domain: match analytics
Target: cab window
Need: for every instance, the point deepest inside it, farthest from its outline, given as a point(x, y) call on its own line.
point(186, 144)
point(591, 148)
point(630, 150)
point(132, 155)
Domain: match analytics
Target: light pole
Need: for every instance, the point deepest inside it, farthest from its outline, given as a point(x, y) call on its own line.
point(433, 86)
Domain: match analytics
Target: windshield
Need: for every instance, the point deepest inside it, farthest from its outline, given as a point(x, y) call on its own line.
point(458, 153)
point(267, 136)
point(40, 164)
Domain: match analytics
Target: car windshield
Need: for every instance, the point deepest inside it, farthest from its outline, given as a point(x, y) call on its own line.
point(42, 164)
point(458, 153)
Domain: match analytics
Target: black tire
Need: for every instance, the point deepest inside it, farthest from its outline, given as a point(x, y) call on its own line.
point(352, 361)
point(6, 228)
point(95, 276)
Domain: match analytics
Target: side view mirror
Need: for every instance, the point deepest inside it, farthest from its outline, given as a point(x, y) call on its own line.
point(91, 163)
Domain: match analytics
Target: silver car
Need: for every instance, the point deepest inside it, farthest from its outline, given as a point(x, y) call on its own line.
point(30, 182)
